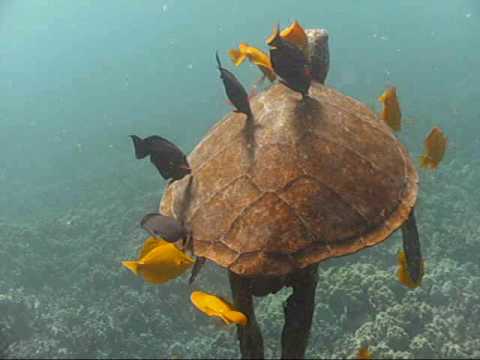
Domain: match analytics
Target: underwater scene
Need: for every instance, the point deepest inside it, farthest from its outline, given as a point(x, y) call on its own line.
point(240, 179)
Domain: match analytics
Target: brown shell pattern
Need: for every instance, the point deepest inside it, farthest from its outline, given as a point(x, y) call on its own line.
point(302, 182)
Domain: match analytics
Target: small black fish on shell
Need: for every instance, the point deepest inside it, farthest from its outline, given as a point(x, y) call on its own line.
point(235, 91)
point(169, 160)
point(164, 227)
point(290, 64)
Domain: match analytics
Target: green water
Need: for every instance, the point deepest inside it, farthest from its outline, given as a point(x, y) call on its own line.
point(78, 77)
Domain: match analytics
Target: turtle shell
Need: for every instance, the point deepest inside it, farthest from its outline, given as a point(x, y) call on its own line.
point(302, 182)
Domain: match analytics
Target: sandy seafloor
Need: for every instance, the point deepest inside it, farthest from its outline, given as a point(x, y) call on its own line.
point(76, 80)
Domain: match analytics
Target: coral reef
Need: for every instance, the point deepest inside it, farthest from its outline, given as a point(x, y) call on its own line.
point(65, 295)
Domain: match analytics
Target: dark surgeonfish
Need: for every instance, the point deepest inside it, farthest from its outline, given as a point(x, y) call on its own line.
point(235, 91)
point(289, 63)
point(169, 160)
point(163, 227)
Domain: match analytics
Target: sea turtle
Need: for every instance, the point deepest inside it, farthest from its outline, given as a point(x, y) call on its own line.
point(302, 181)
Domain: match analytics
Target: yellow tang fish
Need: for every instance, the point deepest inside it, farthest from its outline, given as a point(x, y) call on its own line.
point(256, 56)
point(391, 113)
point(402, 272)
point(435, 146)
point(212, 305)
point(364, 354)
point(159, 261)
point(296, 35)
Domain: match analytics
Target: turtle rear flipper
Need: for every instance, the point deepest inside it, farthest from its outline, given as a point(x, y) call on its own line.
point(411, 247)
point(249, 336)
point(298, 311)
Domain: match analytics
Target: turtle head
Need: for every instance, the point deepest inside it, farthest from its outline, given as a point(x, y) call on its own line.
point(319, 53)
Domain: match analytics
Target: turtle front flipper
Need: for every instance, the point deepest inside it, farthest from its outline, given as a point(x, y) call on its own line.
point(299, 312)
point(199, 262)
point(250, 336)
point(411, 247)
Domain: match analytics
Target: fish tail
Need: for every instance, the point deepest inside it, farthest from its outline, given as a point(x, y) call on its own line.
point(218, 60)
point(237, 56)
point(236, 317)
point(426, 162)
point(131, 265)
point(273, 39)
point(141, 147)
point(402, 273)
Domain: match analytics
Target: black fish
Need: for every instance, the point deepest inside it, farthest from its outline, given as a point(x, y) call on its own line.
point(290, 64)
point(235, 91)
point(169, 160)
point(296, 79)
point(164, 227)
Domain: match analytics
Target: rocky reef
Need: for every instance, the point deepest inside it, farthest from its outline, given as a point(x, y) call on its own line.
point(65, 295)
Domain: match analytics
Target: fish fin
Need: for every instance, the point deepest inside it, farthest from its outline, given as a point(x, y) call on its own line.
point(225, 319)
point(141, 147)
point(271, 40)
point(237, 56)
point(260, 81)
point(235, 317)
point(149, 244)
point(242, 112)
point(185, 259)
point(267, 72)
point(131, 265)
point(218, 60)
point(154, 278)
point(222, 326)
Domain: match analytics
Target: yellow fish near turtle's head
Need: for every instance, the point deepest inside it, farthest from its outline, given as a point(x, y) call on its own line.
point(256, 56)
point(159, 261)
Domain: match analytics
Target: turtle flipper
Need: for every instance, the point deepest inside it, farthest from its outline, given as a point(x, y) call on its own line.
point(411, 247)
point(299, 312)
point(199, 261)
point(250, 337)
